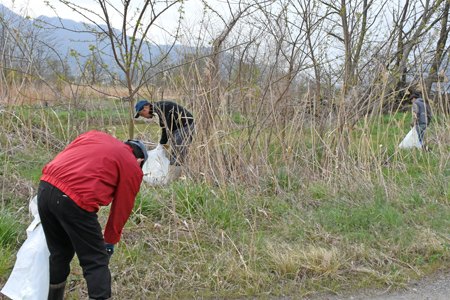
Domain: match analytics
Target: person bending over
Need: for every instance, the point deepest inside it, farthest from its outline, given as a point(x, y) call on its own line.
point(177, 130)
point(95, 170)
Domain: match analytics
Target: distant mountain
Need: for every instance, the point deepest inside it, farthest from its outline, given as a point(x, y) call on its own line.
point(76, 37)
point(72, 36)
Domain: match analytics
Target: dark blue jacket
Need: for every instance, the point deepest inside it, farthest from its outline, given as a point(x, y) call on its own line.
point(171, 117)
point(421, 112)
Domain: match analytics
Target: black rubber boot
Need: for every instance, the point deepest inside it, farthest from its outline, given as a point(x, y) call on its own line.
point(56, 291)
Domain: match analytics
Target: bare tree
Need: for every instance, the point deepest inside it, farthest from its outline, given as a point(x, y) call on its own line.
point(434, 74)
point(131, 47)
point(420, 24)
point(211, 101)
point(28, 52)
point(350, 22)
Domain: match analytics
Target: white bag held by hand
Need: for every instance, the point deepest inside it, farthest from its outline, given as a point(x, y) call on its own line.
point(156, 168)
point(411, 140)
point(30, 278)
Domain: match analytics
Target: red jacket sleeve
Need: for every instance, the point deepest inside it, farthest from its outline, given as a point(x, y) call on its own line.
point(122, 205)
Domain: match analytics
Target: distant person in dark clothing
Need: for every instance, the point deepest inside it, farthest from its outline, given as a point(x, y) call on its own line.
point(421, 117)
point(95, 170)
point(177, 130)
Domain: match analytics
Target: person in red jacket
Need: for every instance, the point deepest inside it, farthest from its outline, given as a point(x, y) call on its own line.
point(95, 170)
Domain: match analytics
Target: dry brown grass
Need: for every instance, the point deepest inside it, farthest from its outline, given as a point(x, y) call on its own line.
point(49, 95)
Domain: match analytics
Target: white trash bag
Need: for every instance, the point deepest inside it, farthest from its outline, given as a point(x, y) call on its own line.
point(156, 168)
point(411, 140)
point(30, 277)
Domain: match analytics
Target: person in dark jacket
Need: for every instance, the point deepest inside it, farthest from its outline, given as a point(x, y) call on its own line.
point(421, 117)
point(177, 130)
point(95, 170)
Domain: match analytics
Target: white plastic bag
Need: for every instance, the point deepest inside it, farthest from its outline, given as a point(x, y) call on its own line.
point(30, 277)
point(411, 140)
point(156, 168)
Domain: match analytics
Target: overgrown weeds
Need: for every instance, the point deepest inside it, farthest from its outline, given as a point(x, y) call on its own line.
point(263, 209)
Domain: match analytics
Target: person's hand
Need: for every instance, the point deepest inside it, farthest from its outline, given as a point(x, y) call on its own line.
point(109, 249)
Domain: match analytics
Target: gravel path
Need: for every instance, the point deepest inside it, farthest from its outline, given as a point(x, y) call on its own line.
point(432, 287)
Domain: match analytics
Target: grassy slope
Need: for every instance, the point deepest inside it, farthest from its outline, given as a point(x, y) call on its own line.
point(380, 218)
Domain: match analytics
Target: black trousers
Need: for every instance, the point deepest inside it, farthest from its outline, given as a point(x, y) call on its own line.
point(179, 142)
point(70, 229)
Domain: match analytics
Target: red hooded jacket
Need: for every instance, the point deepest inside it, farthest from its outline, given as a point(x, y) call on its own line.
point(95, 169)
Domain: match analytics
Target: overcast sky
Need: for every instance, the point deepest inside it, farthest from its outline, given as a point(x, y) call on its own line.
point(35, 8)
point(168, 21)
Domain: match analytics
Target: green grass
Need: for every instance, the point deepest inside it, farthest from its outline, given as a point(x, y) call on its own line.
point(239, 118)
point(362, 222)
point(6, 263)
point(10, 228)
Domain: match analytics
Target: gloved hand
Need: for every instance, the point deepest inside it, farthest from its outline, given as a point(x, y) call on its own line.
point(109, 249)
